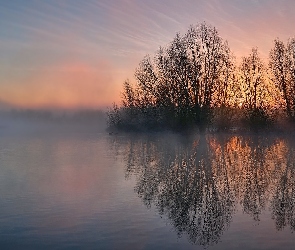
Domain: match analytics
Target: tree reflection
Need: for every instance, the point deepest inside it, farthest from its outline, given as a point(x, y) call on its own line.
point(196, 182)
point(283, 201)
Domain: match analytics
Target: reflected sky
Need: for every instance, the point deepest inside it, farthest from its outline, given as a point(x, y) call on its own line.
point(57, 190)
point(67, 190)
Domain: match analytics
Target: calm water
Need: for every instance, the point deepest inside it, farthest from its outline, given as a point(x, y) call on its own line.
point(85, 189)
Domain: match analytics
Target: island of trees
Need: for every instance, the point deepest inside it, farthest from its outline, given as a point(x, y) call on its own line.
point(196, 82)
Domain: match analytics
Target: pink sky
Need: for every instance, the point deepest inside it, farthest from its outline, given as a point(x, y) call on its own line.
point(76, 54)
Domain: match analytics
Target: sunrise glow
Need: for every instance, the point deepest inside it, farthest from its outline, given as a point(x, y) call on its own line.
point(76, 54)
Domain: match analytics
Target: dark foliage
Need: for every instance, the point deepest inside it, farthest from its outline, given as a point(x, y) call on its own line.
point(282, 65)
point(194, 83)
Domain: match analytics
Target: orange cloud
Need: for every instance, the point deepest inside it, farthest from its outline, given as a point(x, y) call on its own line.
point(72, 84)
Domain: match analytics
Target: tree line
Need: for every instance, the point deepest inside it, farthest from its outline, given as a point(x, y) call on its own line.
point(195, 81)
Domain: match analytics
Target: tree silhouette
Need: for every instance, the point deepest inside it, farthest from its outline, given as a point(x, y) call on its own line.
point(194, 82)
point(282, 65)
point(256, 90)
point(181, 84)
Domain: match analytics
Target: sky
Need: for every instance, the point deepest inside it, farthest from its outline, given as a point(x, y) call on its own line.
point(75, 54)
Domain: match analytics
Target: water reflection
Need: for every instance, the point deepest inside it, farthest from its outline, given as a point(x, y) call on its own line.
point(199, 182)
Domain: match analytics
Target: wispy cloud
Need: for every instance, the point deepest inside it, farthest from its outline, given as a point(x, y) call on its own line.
point(39, 38)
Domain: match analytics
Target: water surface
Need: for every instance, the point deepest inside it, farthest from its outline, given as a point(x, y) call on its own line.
point(83, 188)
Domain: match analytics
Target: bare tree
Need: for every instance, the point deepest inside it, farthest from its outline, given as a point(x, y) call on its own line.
point(258, 92)
point(191, 75)
point(282, 65)
point(128, 95)
point(252, 73)
point(195, 78)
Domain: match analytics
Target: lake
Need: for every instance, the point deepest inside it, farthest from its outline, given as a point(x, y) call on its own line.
point(67, 187)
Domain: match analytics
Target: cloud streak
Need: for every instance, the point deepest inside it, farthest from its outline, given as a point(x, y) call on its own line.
point(38, 40)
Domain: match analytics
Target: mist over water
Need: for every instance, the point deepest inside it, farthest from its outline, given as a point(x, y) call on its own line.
point(65, 183)
point(25, 122)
